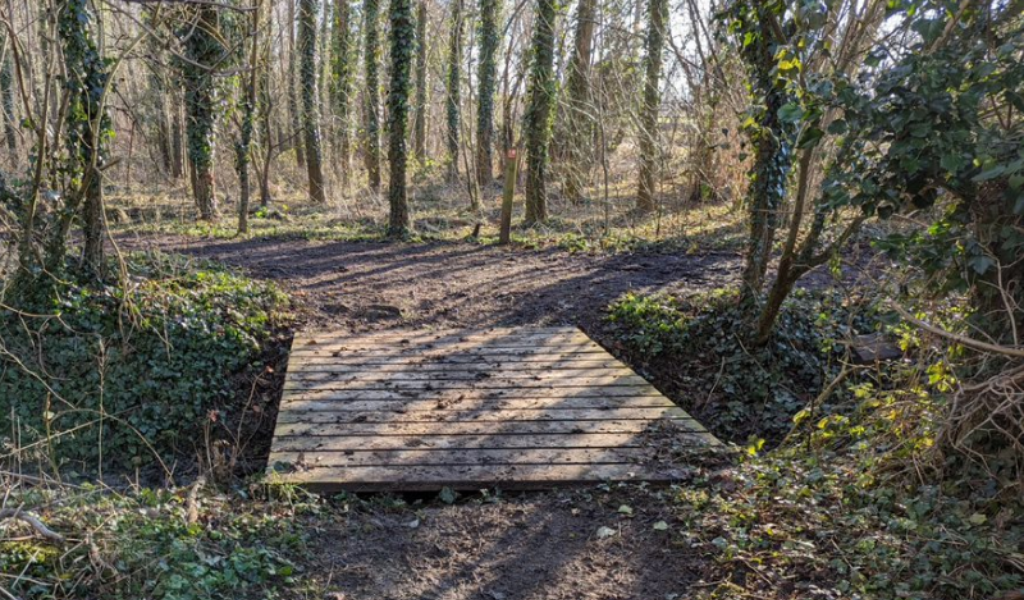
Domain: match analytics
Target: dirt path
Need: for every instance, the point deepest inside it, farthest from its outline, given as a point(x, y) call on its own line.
point(366, 285)
point(538, 546)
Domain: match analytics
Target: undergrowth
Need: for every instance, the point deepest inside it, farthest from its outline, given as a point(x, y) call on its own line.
point(171, 544)
point(841, 513)
point(698, 345)
point(127, 375)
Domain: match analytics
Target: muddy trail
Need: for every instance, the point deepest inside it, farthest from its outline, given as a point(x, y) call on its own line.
point(367, 285)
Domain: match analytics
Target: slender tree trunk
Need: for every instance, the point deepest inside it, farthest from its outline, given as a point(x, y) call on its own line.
point(177, 135)
point(266, 110)
point(293, 84)
point(403, 44)
point(243, 149)
point(454, 95)
point(772, 141)
point(371, 9)
point(341, 70)
point(420, 126)
point(310, 99)
point(651, 106)
point(7, 98)
point(580, 119)
point(487, 76)
point(538, 112)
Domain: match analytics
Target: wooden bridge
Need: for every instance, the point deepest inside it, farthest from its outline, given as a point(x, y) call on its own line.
point(527, 408)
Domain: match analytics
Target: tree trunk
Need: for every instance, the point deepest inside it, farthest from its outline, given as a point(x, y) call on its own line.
point(772, 143)
point(454, 96)
point(645, 200)
point(87, 127)
point(538, 112)
point(420, 126)
point(203, 51)
point(7, 99)
point(242, 150)
point(580, 118)
point(371, 9)
point(403, 43)
point(293, 83)
point(310, 100)
point(488, 81)
point(341, 69)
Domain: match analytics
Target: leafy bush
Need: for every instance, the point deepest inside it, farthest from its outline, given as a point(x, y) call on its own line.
point(118, 372)
point(698, 344)
point(154, 544)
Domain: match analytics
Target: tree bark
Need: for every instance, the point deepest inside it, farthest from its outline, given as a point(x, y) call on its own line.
point(310, 100)
point(403, 43)
point(538, 112)
point(645, 197)
point(579, 118)
point(341, 72)
point(371, 9)
point(487, 76)
point(454, 92)
point(420, 126)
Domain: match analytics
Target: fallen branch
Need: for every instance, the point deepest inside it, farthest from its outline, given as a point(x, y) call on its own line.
point(33, 521)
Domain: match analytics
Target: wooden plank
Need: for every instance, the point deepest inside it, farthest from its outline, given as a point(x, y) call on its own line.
point(286, 443)
point(414, 370)
point(413, 338)
point(491, 383)
point(471, 393)
point(428, 334)
point(466, 477)
point(409, 406)
point(461, 428)
point(479, 416)
point(459, 375)
point(525, 347)
point(406, 458)
point(454, 361)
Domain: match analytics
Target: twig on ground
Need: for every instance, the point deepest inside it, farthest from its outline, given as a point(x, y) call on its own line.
point(33, 521)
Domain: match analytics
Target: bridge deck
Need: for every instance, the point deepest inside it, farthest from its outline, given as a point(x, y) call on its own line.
point(526, 408)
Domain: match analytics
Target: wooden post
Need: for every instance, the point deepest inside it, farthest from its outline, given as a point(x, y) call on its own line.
point(507, 195)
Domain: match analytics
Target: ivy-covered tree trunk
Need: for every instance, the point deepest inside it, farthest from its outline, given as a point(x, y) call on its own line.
point(310, 100)
point(651, 106)
point(420, 125)
point(372, 142)
point(580, 117)
point(7, 97)
point(293, 85)
point(539, 110)
point(770, 136)
point(341, 82)
point(202, 50)
point(487, 75)
point(403, 44)
point(244, 145)
point(453, 98)
point(88, 127)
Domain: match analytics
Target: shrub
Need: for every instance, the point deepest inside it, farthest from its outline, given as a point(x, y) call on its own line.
point(125, 373)
point(738, 389)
